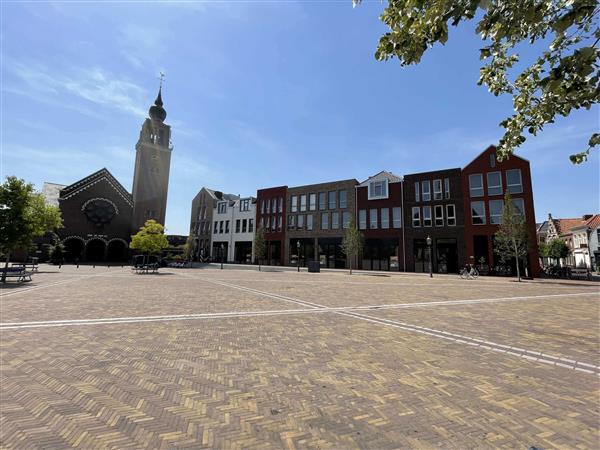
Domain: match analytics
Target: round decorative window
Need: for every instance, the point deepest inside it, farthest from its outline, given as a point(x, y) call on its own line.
point(99, 212)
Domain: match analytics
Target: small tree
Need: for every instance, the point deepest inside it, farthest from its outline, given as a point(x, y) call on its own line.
point(511, 238)
point(558, 249)
point(24, 216)
point(189, 249)
point(150, 240)
point(353, 242)
point(260, 245)
point(56, 250)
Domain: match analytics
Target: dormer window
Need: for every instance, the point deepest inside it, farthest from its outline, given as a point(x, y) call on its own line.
point(378, 189)
point(222, 208)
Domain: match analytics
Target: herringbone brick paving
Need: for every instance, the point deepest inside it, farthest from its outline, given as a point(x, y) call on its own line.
point(310, 381)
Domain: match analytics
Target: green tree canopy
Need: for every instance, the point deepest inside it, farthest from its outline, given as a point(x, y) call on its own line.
point(563, 77)
point(511, 239)
point(150, 239)
point(353, 242)
point(557, 249)
point(24, 215)
point(260, 245)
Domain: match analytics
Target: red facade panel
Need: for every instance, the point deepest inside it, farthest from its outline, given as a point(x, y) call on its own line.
point(273, 221)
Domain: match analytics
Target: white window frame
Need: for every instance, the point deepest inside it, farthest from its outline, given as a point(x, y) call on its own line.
point(309, 222)
point(446, 188)
point(373, 219)
point(332, 204)
point(385, 218)
point(302, 202)
point(417, 191)
point(521, 201)
point(482, 216)
point(426, 193)
point(427, 215)
point(509, 187)
point(437, 189)
point(494, 186)
point(396, 217)
point(294, 203)
point(324, 221)
point(383, 184)
point(280, 205)
point(496, 219)
point(473, 176)
point(335, 220)
point(416, 218)
point(222, 208)
point(312, 202)
point(345, 203)
point(362, 219)
point(279, 223)
point(451, 218)
point(300, 225)
point(438, 217)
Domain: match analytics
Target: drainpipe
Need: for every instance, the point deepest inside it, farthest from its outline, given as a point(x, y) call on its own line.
point(231, 230)
point(403, 225)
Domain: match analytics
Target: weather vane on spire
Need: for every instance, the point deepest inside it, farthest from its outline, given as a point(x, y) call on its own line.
point(161, 78)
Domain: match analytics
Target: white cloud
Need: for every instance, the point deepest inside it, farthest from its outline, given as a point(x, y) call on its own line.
point(93, 85)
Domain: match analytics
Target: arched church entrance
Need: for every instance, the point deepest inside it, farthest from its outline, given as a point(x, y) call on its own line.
point(95, 250)
point(74, 248)
point(116, 251)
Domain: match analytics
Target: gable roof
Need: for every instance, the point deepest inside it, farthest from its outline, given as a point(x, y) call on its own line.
point(565, 226)
point(383, 175)
point(90, 180)
point(592, 222)
point(492, 148)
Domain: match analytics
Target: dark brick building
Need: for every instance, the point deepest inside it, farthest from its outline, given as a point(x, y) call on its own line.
point(379, 218)
point(271, 215)
point(317, 216)
point(485, 180)
point(433, 206)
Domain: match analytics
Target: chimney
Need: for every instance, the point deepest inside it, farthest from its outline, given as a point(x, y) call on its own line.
point(587, 216)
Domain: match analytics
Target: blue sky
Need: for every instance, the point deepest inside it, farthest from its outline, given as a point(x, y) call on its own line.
point(258, 94)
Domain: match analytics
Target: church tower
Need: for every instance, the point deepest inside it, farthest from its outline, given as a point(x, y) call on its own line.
point(152, 166)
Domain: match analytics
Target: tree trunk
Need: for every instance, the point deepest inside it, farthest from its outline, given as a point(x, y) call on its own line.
point(517, 260)
point(351, 259)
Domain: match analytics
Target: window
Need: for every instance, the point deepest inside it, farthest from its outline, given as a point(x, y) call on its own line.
point(362, 219)
point(322, 201)
point(427, 216)
point(343, 203)
point(438, 211)
point(373, 219)
point(268, 224)
point(221, 227)
point(268, 211)
point(274, 203)
point(262, 222)
point(513, 181)
point(335, 220)
point(519, 204)
point(378, 189)
point(294, 206)
point(324, 221)
point(216, 226)
point(385, 217)
point(280, 204)
point(450, 215)
point(476, 185)
point(493, 160)
point(245, 205)
point(494, 181)
point(250, 225)
point(279, 223)
point(478, 213)
point(345, 219)
point(332, 200)
point(416, 216)
point(222, 208)
point(397, 217)
point(244, 225)
point(301, 221)
point(426, 188)
point(291, 222)
point(237, 225)
point(312, 202)
point(227, 226)
point(447, 188)
point(417, 191)
point(303, 203)
point(309, 221)
point(496, 211)
point(437, 189)
point(262, 207)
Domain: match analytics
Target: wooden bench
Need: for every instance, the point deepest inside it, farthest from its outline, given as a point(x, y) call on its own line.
point(145, 268)
point(33, 266)
point(15, 272)
point(580, 273)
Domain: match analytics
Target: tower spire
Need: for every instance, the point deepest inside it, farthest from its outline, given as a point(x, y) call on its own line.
point(157, 112)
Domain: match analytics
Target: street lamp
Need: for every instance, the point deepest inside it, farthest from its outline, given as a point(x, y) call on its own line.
point(298, 254)
point(428, 240)
point(222, 249)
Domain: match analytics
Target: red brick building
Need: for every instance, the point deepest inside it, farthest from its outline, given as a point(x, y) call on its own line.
point(484, 181)
point(271, 215)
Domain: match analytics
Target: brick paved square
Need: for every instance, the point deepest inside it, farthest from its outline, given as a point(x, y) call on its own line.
point(203, 358)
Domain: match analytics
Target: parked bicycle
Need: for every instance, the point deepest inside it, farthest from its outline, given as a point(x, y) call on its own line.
point(469, 272)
